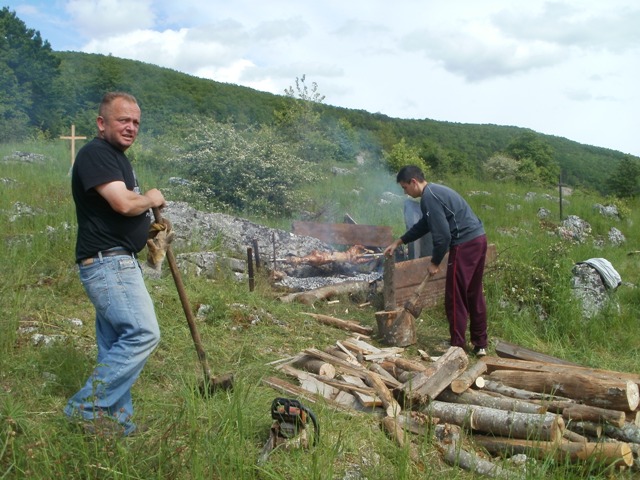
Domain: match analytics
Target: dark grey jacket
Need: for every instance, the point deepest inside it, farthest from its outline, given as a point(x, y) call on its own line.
point(448, 217)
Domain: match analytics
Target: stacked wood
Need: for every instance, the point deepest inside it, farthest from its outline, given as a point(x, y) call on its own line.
point(547, 409)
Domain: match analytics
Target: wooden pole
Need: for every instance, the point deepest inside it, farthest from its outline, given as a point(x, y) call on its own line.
point(389, 291)
point(250, 268)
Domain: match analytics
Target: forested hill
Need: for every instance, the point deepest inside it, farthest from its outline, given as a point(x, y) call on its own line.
point(45, 91)
point(166, 93)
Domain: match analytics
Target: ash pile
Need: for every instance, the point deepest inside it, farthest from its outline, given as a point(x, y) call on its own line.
point(296, 262)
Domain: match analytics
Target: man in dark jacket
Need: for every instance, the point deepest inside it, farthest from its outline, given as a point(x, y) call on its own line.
point(455, 229)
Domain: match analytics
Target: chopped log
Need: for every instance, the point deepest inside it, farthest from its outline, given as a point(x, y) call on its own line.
point(618, 454)
point(416, 422)
point(545, 426)
point(406, 364)
point(391, 406)
point(290, 389)
point(629, 432)
point(313, 365)
point(573, 436)
point(481, 399)
point(323, 293)
point(587, 429)
point(594, 414)
point(469, 377)
point(360, 346)
point(342, 324)
point(396, 329)
point(428, 384)
point(611, 394)
point(471, 462)
point(367, 400)
point(456, 414)
point(495, 363)
point(336, 352)
point(511, 350)
point(389, 379)
point(347, 400)
point(633, 417)
point(397, 434)
point(314, 385)
point(502, 389)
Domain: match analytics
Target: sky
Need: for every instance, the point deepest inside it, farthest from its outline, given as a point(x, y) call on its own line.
point(568, 68)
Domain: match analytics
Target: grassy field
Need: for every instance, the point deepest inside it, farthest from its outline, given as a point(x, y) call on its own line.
point(529, 302)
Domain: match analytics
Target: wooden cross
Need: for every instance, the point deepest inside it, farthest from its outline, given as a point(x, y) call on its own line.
point(73, 139)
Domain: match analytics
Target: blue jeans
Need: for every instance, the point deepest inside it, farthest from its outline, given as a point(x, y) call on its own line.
point(126, 333)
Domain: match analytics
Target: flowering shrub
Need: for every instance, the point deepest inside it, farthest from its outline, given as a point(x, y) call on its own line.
point(247, 171)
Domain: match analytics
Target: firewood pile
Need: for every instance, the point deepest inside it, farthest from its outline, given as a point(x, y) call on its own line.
point(546, 408)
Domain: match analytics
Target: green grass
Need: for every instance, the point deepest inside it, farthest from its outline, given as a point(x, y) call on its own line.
point(221, 436)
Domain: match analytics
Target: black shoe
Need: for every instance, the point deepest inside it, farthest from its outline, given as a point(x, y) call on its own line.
point(479, 351)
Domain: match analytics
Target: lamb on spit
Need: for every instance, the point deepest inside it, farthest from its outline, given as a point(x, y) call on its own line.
point(356, 255)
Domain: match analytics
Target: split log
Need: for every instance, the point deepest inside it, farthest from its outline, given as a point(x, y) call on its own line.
point(313, 365)
point(511, 350)
point(389, 379)
point(507, 391)
point(471, 462)
point(428, 384)
point(469, 377)
point(336, 352)
point(401, 375)
point(388, 279)
point(633, 417)
point(405, 364)
point(544, 426)
point(324, 293)
point(396, 329)
point(342, 324)
point(610, 394)
point(618, 454)
point(360, 346)
point(290, 389)
point(367, 400)
point(391, 406)
point(481, 399)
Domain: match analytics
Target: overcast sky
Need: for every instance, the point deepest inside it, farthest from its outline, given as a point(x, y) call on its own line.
point(566, 67)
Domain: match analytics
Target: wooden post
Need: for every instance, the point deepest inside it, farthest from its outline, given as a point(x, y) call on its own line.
point(389, 291)
point(250, 268)
point(256, 254)
point(73, 139)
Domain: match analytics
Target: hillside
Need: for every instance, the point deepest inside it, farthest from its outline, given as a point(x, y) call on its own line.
point(166, 94)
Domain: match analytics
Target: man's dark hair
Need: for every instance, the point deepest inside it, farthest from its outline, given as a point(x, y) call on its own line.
point(109, 97)
point(406, 174)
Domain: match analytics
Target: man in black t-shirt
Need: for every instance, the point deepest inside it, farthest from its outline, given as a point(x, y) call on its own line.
point(113, 224)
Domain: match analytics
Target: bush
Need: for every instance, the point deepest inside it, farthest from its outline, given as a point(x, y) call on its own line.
point(246, 171)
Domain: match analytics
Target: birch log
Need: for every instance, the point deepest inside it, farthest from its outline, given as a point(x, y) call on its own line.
point(617, 453)
point(471, 462)
point(545, 426)
point(472, 397)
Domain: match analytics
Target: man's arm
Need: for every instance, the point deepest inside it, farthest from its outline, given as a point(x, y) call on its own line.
point(127, 202)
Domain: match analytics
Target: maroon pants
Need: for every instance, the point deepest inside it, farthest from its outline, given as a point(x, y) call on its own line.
point(463, 297)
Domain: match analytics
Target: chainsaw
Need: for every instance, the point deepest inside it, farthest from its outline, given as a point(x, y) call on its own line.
point(289, 427)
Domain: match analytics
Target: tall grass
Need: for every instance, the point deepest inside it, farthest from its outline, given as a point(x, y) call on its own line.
point(191, 437)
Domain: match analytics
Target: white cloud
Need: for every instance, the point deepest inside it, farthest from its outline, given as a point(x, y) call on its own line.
point(100, 19)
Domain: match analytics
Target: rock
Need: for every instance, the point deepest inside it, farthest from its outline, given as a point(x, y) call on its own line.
point(575, 229)
point(543, 213)
point(24, 157)
point(609, 211)
point(616, 237)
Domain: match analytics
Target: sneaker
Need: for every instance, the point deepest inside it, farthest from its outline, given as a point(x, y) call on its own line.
point(103, 427)
point(479, 351)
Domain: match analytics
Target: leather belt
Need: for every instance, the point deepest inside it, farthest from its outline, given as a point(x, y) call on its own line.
point(107, 253)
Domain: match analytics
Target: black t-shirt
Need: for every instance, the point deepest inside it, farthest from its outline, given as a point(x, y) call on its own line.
point(99, 226)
